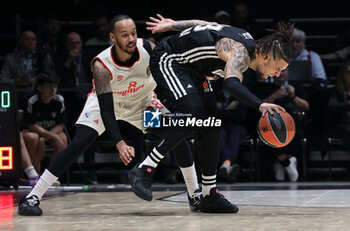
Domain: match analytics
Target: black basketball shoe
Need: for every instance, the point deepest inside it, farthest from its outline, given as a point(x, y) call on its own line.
point(141, 181)
point(29, 206)
point(195, 199)
point(215, 202)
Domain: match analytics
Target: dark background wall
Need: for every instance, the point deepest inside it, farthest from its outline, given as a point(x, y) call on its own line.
point(83, 9)
point(32, 13)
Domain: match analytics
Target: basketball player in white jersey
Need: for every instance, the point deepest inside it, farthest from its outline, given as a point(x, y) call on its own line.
point(122, 89)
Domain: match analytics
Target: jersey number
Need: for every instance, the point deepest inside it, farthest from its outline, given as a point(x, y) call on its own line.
point(216, 27)
point(157, 104)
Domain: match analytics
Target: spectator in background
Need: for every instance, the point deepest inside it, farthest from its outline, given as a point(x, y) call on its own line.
point(31, 174)
point(239, 14)
point(233, 115)
point(101, 37)
point(73, 67)
point(45, 115)
point(339, 105)
point(222, 17)
point(343, 53)
point(294, 98)
point(35, 145)
point(52, 40)
point(299, 52)
point(22, 66)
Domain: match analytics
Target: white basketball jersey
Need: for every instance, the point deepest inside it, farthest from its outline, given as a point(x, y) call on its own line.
point(129, 83)
point(132, 89)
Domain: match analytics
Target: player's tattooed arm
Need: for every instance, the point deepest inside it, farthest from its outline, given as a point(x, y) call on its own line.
point(101, 77)
point(235, 55)
point(237, 61)
point(161, 24)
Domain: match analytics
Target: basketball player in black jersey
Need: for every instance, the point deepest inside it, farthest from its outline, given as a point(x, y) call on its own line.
point(182, 64)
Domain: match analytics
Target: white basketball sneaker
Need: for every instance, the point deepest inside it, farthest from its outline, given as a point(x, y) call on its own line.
point(292, 170)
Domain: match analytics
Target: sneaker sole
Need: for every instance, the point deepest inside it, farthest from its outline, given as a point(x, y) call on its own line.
point(25, 212)
point(136, 191)
point(236, 209)
point(194, 208)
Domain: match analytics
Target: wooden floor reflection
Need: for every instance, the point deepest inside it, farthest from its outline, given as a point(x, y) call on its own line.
point(169, 211)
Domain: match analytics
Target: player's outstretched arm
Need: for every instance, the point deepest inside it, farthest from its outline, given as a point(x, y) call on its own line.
point(161, 24)
point(105, 98)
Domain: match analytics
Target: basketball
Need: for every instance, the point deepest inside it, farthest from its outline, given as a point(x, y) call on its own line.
point(276, 130)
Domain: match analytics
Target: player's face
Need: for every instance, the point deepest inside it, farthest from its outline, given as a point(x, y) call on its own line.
point(283, 77)
point(125, 35)
point(270, 67)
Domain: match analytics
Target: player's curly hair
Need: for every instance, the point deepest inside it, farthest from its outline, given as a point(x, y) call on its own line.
point(278, 43)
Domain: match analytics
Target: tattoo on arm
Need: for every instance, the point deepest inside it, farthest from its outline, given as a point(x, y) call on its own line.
point(101, 78)
point(237, 60)
point(184, 24)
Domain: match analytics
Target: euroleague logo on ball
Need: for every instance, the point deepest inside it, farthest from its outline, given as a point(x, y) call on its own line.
point(276, 130)
point(264, 129)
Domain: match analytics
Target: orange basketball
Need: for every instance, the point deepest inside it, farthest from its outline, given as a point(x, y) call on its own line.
point(276, 130)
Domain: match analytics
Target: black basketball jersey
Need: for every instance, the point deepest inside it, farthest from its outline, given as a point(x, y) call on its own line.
point(45, 115)
point(195, 47)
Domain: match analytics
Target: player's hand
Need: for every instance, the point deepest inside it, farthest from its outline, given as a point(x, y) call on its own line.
point(126, 152)
point(270, 108)
point(160, 24)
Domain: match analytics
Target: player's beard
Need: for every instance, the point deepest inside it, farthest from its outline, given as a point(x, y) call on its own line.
point(125, 49)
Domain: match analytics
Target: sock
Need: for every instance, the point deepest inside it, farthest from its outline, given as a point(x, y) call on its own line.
point(190, 176)
point(208, 182)
point(30, 172)
point(45, 181)
point(152, 159)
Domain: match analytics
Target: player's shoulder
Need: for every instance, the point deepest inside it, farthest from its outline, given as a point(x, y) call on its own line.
point(33, 99)
point(141, 42)
point(58, 98)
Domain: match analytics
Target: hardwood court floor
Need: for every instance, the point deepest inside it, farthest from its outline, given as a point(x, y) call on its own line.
point(262, 207)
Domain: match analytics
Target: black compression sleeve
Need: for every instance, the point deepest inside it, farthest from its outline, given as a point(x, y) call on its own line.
point(242, 93)
point(147, 46)
point(107, 113)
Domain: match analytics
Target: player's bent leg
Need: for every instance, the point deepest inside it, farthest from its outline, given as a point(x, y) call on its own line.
point(29, 205)
point(141, 179)
point(184, 157)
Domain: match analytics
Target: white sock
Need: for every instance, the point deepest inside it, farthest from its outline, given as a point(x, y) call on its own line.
point(190, 176)
point(30, 172)
point(152, 159)
point(208, 182)
point(45, 181)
